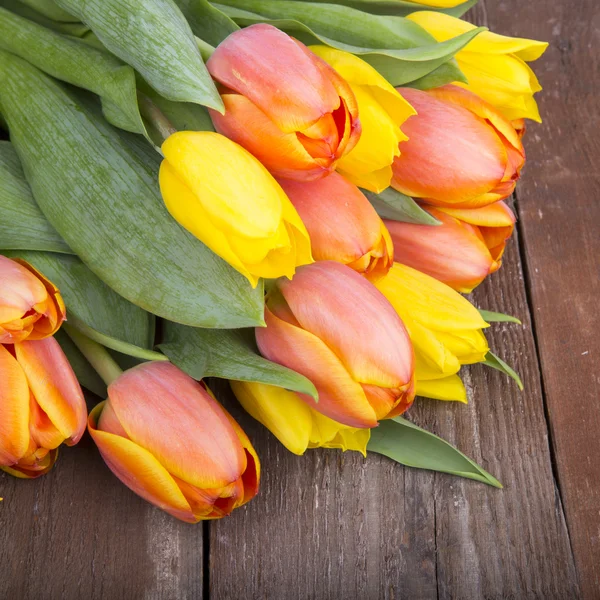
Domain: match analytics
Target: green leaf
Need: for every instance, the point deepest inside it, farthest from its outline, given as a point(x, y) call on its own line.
point(398, 7)
point(399, 49)
point(227, 354)
point(206, 21)
point(184, 116)
point(495, 362)
point(75, 62)
point(90, 303)
point(86, 375)
point(496, 317)
point(449, 72)
point(98, 187)
point(51, 10)
point(154, 38)
point(17, 7)
point(391, 204)
point(22, 223)
point(412, 446)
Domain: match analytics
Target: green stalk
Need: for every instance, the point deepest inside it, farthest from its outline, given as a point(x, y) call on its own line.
point(154, 115)
point(97, 355)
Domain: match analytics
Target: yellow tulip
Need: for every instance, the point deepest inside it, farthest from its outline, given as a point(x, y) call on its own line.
point(444, 327)
point(294, 423)
point(225, 197)
point(381, 109)
point(494, 65)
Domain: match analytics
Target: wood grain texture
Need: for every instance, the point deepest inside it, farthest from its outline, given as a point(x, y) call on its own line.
point(559, 210)
point(79, 533)
point(333, 525)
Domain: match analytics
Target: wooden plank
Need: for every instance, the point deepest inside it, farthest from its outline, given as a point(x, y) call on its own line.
point(332, 525)
point(559, 206)
point(79, 533)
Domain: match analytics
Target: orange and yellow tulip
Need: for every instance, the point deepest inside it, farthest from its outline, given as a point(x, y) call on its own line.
point(31, 307)
point(463, 250)
point(282, 103)
point(342, 224)
point(41, 406)
point(335, 328)
point(461, 152)
point(166, 437)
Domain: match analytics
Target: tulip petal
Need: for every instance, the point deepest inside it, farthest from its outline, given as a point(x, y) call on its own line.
point(340, 307)
point(233, 188)
point(14, 410)
point(140, 471)
point(428, 301)
point(281, 153)
point(283, 412)
point(182, 203)
point(352, 227)
point(451, 157)
point(54, 386)
point(443, 27)
point(36, 469)
point(451, 252)
point(447, 388)
point(207, 453)
point(326, 433)
point(340, 397)
point(253, 62)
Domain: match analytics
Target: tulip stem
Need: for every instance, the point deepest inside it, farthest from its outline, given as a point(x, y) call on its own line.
point(152, 113)
point(97, 355)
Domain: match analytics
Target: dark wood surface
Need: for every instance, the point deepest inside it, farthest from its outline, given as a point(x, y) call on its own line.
point(330, 525)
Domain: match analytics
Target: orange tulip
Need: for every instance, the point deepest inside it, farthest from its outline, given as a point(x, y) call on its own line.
point(461, 151)
point(342, 224)
point(41, 406)
point(338, 330)
point(463, 250)
point(31, 307)
point(284, 104)
point(166, 437)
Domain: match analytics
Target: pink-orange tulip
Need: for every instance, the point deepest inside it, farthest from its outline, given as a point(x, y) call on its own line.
point(31, 308)
point(41, 406)
point(463, 250)
point(166, 437)
point(283, 103)
point(342, 224)
point(338, 330)
point(461, 151)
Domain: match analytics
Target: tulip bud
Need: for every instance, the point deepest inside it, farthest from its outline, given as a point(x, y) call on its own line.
point(333, 326)
point(294, 423)
point(166, 437)
point(31, 307)
point(444, 327)
point(462, 251)
point(222, 195)
point(342, 224)
point(461, 152)
point(382, 111)
point(283, 103)
point(41, 406)
point(495, 65)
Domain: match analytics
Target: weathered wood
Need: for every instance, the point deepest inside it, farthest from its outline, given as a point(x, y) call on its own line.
point(79, 533)
point(332, 525)
point(559, 208)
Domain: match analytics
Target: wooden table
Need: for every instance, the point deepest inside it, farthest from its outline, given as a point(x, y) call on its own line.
point(335, 526)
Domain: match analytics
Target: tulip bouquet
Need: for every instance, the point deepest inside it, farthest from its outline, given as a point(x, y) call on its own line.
point(290, 195)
